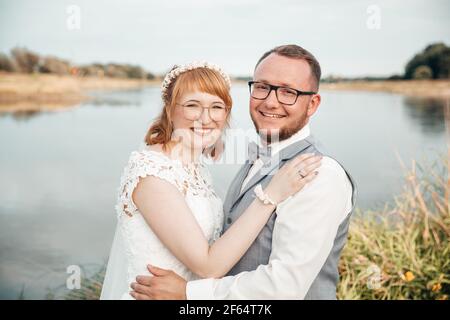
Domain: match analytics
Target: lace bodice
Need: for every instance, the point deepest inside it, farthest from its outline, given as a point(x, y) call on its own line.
point(141, 245)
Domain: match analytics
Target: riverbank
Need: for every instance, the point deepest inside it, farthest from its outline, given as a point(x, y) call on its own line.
point(47, 92)
point(418, 88)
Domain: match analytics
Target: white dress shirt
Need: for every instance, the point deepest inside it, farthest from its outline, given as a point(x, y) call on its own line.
point(302, 239)
point(275, 148)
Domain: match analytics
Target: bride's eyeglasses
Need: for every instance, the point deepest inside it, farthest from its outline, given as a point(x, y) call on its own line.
point(193, 111)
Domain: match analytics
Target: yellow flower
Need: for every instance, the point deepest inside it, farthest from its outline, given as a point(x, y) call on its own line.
point(409, 276)
point(436, 287)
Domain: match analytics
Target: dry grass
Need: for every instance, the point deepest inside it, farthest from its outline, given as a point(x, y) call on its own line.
point(402, 252)
point(90, 287)
point(30, 92)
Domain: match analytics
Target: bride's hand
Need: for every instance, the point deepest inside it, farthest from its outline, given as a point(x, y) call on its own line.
point(288, 180)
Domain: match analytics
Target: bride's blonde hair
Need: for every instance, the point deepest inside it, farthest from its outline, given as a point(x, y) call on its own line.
point(201, 79)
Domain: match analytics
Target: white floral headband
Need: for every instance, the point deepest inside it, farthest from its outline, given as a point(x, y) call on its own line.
point(177, 70)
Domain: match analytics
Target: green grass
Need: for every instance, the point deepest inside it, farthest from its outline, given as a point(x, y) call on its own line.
point(91, 287)
point(403, 251)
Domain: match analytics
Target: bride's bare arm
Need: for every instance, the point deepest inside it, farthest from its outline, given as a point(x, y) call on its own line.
point(165, 210)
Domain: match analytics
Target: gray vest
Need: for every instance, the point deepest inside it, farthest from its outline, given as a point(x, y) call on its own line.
point(236, 202)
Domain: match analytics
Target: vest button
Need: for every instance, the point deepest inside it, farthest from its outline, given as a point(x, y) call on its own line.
point(229, 220)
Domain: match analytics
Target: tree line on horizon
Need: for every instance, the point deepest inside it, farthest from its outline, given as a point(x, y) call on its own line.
point(431, 63)
point(22, 60)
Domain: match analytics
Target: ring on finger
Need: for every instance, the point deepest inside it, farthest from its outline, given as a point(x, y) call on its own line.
point(300, 172)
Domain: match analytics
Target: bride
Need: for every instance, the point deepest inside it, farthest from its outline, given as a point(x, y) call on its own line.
point(168, 213)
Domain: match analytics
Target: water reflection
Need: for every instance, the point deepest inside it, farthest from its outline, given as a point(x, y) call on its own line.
point(120, 98)
point(26, 110)
point(24, 115)
point(427, 113)
point(111, 102)
point(23, 112)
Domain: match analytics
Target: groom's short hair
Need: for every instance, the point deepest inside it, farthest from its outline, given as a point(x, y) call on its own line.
point(297, 52)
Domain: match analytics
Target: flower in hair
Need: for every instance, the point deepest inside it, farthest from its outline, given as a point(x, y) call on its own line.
point(177, 70)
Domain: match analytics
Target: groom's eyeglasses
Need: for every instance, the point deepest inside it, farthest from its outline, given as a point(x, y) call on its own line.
point(285, 95)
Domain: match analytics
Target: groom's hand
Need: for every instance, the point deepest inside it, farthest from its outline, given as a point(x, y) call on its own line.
point(163, 285)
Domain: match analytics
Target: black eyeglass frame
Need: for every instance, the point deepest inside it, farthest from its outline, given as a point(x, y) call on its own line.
point(272, 87)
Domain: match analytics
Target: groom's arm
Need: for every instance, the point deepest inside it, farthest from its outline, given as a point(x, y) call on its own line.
point(303, 237)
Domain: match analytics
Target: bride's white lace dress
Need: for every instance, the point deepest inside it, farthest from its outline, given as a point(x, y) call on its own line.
point(135, 245)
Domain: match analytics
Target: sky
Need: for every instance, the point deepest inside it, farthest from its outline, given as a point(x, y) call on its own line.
point(349, 38)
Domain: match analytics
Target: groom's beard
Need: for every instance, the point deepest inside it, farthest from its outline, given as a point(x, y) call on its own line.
point(281, 134)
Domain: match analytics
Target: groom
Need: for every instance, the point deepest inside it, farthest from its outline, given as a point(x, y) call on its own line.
point(296, 254)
